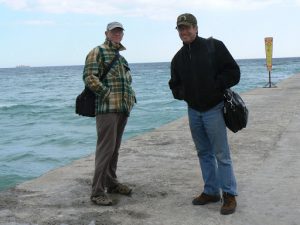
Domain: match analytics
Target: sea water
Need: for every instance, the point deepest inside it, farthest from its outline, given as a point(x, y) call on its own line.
point(40, 131)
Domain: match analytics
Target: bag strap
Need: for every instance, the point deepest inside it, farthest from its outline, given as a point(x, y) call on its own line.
point(211, 51)
point(212, 59)
point(110, 65)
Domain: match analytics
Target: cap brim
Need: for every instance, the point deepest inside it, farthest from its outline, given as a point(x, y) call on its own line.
point(113, 27)
point(184, 24)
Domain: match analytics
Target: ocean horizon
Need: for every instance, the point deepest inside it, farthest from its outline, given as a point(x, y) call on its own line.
point(29, 66)
point(39, 127)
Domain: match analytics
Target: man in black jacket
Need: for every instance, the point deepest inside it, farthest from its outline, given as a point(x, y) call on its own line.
point(200, 72)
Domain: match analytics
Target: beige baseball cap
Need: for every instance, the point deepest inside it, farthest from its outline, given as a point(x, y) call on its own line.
point(114, 25)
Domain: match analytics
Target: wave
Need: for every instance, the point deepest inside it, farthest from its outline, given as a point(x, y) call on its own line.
point(18, 106)
point(7, 105)
point(58, 141)
point(28, 109)
point(19, 156)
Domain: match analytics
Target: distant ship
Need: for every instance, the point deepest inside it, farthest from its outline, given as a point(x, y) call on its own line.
point(22, 66)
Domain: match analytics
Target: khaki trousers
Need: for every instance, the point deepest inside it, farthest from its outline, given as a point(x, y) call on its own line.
point(110, 128)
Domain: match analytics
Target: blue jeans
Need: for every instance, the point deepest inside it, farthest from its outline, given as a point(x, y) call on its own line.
point(210, 137)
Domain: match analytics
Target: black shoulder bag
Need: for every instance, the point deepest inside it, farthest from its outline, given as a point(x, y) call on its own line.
point(235, 111)
point(85, 102)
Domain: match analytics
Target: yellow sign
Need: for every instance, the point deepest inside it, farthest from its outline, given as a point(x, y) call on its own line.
point(269, 52)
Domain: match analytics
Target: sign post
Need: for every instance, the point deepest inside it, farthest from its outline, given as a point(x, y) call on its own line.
point(269, 53)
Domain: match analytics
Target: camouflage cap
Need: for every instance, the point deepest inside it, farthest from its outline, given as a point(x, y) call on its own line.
point(186, 19)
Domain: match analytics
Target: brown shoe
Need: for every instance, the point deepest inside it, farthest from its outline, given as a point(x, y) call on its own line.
point(229, 204)
point(120, 189)
point(205, 198)
point(101, 199)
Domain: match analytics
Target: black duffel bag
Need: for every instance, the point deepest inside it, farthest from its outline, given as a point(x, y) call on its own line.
point(235, 111)
point(85, 103)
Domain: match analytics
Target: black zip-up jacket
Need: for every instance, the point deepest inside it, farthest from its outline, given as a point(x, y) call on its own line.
point(200, 73)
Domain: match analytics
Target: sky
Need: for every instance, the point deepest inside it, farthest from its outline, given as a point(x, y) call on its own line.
point(62, 32)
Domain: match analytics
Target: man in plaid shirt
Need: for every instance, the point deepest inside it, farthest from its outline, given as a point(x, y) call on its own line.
point(114, 101)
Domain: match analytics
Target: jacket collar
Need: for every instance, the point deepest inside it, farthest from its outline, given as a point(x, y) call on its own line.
point(114, 46)
point(193, 43)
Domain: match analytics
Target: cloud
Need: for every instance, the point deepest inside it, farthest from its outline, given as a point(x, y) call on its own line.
point(15, 4)
point(154, 9)
point(37, 22)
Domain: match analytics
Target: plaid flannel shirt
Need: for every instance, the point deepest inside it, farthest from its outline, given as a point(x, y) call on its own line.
point(114, 93)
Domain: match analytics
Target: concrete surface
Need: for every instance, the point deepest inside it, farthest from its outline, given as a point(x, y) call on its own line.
point(163, 169)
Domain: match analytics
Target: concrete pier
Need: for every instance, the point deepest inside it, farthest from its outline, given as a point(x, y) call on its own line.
point(163, 169)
